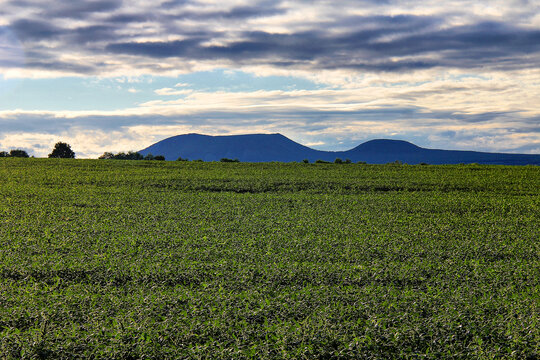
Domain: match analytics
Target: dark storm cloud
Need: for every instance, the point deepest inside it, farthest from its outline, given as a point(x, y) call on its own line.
point(481, 45)
point(178, 48)
point(236, 13)
point(28, 30)
point(106, 29)
point(127, 18)
point(80, 9)
point(63, 66)
point(90, 34)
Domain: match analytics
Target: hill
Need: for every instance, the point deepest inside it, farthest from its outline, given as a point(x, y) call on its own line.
point(276, 147)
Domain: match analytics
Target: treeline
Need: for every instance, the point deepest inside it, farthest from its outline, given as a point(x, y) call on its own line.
point(131, 155)
point(61, 150)
point(14, 153)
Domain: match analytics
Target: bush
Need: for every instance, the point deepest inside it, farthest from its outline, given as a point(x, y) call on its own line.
point(362, 162)
point(322, 162)
point(106, 156)
point(62, 150)
point(4, 154)
point(131, 155)
point(18, 153)
point(229, 160)
point(134, 155)
point(348, 161)
point(305, 161)
point(159, 157)
point(149, 157)
point(338, 161)
point(181, 159)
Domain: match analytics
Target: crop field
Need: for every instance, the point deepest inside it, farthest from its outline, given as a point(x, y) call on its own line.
point(105, 259)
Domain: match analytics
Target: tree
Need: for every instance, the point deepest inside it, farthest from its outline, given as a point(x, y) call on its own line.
point(62, 150)
point(159, 157)
point(4, 154)
point(134, 155)
point(149, 157)
point(106, 156)
point(18, 153)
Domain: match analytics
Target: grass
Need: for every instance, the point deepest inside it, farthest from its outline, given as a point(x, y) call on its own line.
point(140, 259)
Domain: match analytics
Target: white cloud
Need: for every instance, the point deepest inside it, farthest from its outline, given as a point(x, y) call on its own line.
point(172, 92)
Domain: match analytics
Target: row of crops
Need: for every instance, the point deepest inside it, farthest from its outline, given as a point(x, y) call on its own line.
point(155, 260)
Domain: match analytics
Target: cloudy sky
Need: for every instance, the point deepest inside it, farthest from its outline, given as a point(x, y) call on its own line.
point(118, 75)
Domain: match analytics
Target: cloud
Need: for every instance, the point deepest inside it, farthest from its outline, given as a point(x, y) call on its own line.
point(114, 36)
point(172, 92)
point(28, 30)
point(390, 44)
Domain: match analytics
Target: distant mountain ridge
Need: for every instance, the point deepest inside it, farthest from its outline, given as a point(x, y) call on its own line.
point(276, 147)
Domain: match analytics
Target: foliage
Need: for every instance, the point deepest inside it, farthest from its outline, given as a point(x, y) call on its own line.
point(229, 160)
point(131, 155)
point(106, 156)
point(18, 153)
point(319, 161)
point(14, 153)
point(340, 161)
point(177, 260)
point(181, 159)
point(62, 150)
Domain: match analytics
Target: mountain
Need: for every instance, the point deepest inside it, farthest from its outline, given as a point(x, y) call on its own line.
point(276, 147)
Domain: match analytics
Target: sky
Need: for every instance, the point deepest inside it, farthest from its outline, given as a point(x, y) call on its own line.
point(120, 75)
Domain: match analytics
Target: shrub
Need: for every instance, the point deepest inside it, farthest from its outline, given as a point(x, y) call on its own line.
point(229, 160)
point(338, 161)
point(134, 155)
point(305, 161)
point(319, 161)
point(149, 157)
point(159, 157)
point(106, 156)
point(18, 153)
point(131, 155)
point(181, 159)
point(4, 154)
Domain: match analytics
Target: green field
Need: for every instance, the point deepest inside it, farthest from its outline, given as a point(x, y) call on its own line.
point(170, 260)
